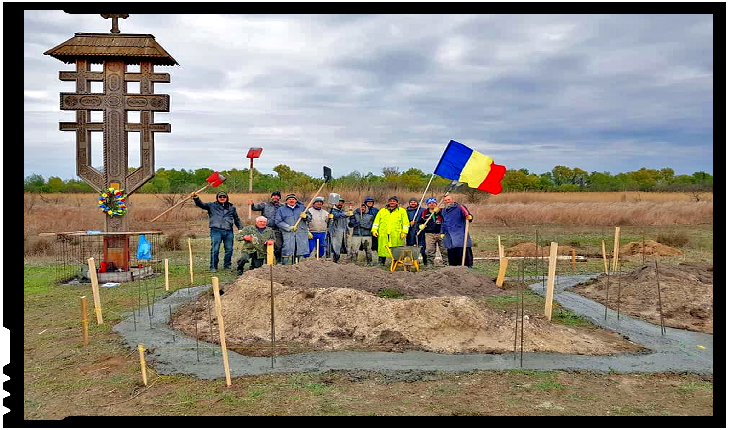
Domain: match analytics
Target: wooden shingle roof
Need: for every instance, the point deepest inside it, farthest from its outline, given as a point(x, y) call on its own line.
point(100, 47)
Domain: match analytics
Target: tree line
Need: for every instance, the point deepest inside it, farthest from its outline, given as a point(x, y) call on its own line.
point(559, 179)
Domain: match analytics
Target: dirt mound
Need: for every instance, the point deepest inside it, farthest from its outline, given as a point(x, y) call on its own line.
point(527, 249)
point(649, 247)
point(445, 281)
point(686, 291)
point(345, 318)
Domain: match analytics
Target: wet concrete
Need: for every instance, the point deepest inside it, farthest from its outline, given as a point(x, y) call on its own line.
point(171, 352)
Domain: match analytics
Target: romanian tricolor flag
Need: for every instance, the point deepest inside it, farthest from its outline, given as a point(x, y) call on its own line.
point(463, 164)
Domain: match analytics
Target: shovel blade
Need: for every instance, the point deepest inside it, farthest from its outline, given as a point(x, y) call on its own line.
point(327, 174)
point(333, 198)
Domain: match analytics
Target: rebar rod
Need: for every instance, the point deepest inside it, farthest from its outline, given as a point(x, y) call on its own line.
point(522, 324)
point(618, 308)
point(659, 290)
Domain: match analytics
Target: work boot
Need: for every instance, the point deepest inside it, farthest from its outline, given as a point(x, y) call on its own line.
point(381, 261)
point(285, 261)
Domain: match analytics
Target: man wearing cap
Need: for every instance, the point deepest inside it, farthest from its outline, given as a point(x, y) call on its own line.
point(372, 210)
point(268, 209)
point(222, 216)
point(415, 237)
point(361, 222)
point(295, 236)
point(429, 223)
point(338, 229)
point(390, 227)
point(317, 227)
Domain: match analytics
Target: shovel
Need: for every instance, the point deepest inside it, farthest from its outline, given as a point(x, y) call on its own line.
point(213, 180)
point(327, 177)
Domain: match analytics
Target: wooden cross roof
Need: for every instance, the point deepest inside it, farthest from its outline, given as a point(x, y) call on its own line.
point(100, 47)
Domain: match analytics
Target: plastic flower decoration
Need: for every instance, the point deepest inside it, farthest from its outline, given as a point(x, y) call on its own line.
point(113, 202)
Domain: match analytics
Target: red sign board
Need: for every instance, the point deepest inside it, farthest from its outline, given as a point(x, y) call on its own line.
point(254, 152)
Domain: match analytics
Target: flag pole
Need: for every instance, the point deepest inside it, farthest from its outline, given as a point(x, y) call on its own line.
point(423, 196)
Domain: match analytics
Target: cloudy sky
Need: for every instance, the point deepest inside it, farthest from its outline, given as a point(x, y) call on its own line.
point(361, 92)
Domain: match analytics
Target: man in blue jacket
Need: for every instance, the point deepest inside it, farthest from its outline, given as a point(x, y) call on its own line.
point(295, 236)
point(222, 216)
point(453, 229)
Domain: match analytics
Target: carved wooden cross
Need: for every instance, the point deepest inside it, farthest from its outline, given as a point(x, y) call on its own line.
point(115, 20)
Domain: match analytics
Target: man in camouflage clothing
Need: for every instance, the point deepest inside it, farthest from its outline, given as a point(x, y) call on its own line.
point(254, 239)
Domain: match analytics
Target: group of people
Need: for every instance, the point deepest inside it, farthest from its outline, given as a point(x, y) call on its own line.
point(297, 231)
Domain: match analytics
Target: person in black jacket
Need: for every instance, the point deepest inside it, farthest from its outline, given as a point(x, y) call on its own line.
point(429, 224)
point(222, 217)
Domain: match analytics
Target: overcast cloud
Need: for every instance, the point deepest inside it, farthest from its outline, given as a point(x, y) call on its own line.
point(361, 92)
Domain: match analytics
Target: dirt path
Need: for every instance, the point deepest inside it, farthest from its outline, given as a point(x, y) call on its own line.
point(686, 294)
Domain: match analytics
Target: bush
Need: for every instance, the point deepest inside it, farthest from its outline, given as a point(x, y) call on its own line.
point(673, 239)
point(172, 241)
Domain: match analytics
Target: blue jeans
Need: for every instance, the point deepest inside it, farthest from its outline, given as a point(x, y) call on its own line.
point(217, 236)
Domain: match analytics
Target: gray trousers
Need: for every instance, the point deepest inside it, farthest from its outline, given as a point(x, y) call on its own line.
point(433, 239)
point(357, 243)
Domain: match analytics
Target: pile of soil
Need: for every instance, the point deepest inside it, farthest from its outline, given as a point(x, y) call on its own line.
point(445, 281)
point(528, 249)
point(686, 293)
point(648, 247)
point(323, 305)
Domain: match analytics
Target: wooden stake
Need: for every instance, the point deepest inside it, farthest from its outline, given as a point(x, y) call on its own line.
point(84, 321)
point(95, 290)
point(466, 239)
point(499, 247)
point(142, 363)
point(572, 253)
point(615, 248)
point(167, 276)
point(190, 253)
point(502, 271)
point(316, 256)
point(605, 261)
point(270, 254)
point(221, 329)
point(551, 280)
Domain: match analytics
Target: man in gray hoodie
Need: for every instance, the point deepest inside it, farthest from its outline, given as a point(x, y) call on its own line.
point(222, 216)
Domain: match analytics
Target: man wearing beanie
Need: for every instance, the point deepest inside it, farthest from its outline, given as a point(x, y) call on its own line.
point(295, 236)
point(268, 209)
point(222, 216)
point(390, 227)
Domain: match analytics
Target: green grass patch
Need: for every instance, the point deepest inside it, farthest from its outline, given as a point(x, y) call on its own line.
point(390, 293)
point(549, 385)
point(571, 319)
point(694, 386)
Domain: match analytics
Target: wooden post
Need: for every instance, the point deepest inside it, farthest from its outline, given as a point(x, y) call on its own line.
point(221, 329)
point(572, 253)
point(190, 253)
point(551, 280)
point(466, 240)
point(167, 276)
point(605, 261)
point(84, 321)
point(499, 247)
point(502, 271)
point(142, 363)
point(270, 254)
point(95, 290)
point(316, 256)
point(615, 249)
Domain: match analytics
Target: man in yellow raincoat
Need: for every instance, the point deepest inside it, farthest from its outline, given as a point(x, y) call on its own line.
point(390, 227)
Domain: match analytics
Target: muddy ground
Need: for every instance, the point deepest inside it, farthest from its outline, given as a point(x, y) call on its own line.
point(320, 305)
point(686, 294)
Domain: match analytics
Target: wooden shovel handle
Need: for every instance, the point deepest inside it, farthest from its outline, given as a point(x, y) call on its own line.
point(310, 202)
point(179, 203)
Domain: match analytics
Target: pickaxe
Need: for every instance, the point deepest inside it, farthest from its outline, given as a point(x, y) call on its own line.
point(213, 180)
point(327, 177)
